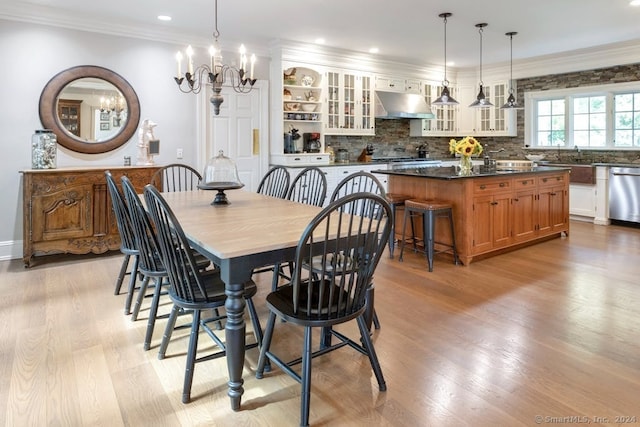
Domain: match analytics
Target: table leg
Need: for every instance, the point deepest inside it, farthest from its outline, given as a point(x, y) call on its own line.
point(235, 337)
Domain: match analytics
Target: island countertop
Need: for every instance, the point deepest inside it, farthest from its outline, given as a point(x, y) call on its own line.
point(494, 210)
point(451, 172)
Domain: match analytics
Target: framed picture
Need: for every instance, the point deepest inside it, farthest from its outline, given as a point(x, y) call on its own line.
point(105, 126)
point(116, 121)
point(104, 116)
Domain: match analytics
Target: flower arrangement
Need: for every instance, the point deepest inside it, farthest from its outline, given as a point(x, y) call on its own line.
point(467, 146)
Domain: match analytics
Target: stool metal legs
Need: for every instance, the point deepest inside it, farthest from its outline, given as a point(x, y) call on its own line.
point(428, 226)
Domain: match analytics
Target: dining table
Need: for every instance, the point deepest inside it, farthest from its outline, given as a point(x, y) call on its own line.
point(252, 231)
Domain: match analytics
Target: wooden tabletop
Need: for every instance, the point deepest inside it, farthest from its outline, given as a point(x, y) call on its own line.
point(252, 223)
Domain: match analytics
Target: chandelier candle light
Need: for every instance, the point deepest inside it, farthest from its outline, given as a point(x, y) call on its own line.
point(466, 147)
point(216, 72)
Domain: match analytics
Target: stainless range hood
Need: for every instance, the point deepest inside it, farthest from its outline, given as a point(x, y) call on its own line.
point(393, 105)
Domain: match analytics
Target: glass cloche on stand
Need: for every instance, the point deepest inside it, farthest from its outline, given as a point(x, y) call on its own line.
point(220, 174)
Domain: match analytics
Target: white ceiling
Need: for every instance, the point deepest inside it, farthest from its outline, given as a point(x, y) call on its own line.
point(408, 31)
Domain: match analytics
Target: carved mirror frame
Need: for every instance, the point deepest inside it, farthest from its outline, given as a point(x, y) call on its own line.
point(49, 109)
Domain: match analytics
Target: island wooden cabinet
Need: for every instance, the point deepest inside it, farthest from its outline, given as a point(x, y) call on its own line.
point(68, 210)
point(495, 213)
point(491, 214)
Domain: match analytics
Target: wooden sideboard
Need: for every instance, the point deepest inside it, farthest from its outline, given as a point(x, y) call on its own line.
point(68, 210)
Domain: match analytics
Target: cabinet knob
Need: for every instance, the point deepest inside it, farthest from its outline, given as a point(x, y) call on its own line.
point(502, 184)
point(482, 187)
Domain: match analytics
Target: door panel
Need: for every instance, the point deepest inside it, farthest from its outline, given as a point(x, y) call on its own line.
point(241, 131)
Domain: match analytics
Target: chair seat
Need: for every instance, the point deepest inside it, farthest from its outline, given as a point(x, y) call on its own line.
point(214, 287)
point(281, 302)
point(396, 199)
point(427, 205)
point(342, 262)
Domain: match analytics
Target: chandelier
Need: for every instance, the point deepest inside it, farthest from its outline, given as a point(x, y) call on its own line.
point(113, 104)
point(216, 73)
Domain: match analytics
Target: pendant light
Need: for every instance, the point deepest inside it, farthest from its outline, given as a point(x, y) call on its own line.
point(445, 97)
point(481, 101)
point(511, 103)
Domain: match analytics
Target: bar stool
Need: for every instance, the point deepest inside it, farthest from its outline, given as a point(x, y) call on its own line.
point(395, 200)
point(430, 210)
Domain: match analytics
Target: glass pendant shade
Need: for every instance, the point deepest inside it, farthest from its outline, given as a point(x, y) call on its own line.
point(481, 101)
point(445, 96)
point(220, 174)
point(511, 103)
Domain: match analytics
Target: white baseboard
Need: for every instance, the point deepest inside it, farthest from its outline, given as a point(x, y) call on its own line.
point(11, 249)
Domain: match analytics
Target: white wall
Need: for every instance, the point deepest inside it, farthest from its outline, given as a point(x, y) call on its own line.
point(32, 54)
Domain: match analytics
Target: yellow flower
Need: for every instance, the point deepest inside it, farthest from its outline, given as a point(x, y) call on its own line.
point(467, 146)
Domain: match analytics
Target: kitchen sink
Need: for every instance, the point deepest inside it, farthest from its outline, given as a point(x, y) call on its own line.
point(580, 173)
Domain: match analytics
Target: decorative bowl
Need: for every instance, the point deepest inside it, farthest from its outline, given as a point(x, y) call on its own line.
point(291, 106)
point(308, 108)
point(535, 157)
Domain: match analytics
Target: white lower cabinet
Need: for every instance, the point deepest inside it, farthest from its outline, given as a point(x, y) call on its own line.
point(582, 200)
point(335, 174)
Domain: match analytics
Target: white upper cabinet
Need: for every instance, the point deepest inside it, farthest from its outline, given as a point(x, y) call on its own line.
point(492, 121)
point(445, 122)
point(386, 83)
point(461, 120)
point(348, 103)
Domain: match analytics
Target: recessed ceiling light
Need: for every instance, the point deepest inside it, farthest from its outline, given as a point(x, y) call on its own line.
point(634, 3)
point(164, 18)
point(374, 50)
point(450, 63)
point(320, 40)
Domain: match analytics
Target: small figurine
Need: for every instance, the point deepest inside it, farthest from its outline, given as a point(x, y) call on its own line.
point(145, 134)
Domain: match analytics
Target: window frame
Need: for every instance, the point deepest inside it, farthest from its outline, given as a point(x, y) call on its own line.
point(569, 94)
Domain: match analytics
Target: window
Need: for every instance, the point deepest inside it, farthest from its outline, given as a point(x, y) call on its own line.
point(597, 117)
point(589, 121)
point(550, 123)
point(627, 120)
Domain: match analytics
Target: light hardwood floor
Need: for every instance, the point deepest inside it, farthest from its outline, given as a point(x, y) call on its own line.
point(550, 331)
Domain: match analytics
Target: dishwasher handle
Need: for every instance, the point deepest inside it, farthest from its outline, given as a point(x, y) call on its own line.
point(625, 174)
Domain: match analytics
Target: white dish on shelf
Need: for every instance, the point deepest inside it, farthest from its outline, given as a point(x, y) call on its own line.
point(308, 108)
point(291, 106)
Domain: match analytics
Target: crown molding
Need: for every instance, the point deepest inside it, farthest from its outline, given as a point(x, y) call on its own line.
point(578, 60)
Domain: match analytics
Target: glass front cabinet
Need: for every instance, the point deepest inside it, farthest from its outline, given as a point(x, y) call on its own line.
point(349, 103)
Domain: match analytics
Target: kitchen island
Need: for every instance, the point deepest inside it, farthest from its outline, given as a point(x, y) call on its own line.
point(494, 210)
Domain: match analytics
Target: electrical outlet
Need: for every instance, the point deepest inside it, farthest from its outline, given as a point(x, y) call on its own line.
point(179, 153)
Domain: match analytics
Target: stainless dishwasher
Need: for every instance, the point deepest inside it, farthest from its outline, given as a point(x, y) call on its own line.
point(624, 193)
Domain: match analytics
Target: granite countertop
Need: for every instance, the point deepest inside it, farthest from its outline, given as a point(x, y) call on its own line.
point(451, 172)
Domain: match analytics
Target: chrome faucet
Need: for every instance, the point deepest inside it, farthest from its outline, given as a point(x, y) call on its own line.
point(488, 161)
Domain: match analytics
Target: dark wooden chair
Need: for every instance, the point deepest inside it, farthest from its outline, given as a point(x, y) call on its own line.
point(362, 182)
point(310, 187)
point(128, 245)
point(191, 289)
point(150, 265)
point(176, 177)
point(275, 183)
point(359, 225)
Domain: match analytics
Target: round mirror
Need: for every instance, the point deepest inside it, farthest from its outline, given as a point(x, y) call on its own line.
point(90, 109)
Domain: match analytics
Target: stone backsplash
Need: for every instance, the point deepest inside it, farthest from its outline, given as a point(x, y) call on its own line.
point(392, 136)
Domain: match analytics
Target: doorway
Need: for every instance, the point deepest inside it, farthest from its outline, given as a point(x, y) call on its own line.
point(241, 131)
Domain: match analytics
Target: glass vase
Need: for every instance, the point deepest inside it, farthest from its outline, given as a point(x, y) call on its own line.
point(465, 166)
